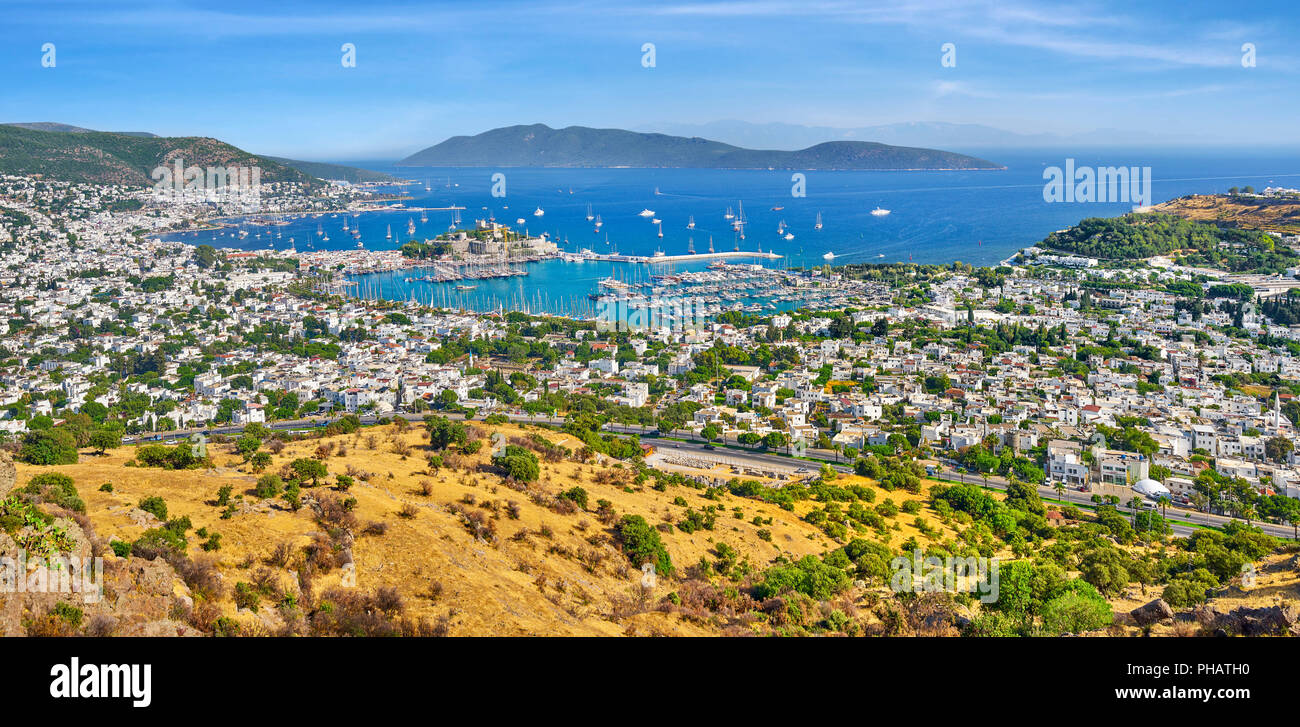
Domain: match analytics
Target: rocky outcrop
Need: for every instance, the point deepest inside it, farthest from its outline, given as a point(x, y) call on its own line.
point(1245, 621)
point(8, 473)
point(1152, 612)
point(131, 596)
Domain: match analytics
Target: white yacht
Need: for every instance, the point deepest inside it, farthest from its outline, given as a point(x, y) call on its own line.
point(879, 212)
point(646, 213)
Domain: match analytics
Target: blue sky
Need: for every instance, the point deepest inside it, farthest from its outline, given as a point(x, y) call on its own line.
point(267, 76)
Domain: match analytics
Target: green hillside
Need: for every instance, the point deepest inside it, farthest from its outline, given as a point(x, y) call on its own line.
point(539, 145)
point(108, 158)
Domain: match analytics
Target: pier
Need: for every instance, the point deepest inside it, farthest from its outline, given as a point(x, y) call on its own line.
point(655, 259)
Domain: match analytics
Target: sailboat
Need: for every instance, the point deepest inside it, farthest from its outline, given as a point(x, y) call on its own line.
point(345, 224)
point(729, 215)
point(690, 224)
point(710, 244)
point(818, 226)
point(390, 232)
point(598, 223)
point(589, 215)
point(661, 230)
point(690, 245)
point(424, 217)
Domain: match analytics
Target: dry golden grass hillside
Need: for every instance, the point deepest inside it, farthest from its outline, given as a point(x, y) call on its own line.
point(1248, 213)
point(463, 548)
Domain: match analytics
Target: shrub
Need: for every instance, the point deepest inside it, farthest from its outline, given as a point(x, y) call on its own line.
point(155, 505)
point(642, 545)
point(158, 541)
point(577, 495)
point(246, 596)
point(48, 447)
point(268, 485)
point(56, 488)
point(810, 576)
point(518, 463)
point(309, 469)
point(260, 461)
point(1079, 609)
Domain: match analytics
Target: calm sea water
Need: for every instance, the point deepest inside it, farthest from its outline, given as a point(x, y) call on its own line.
point(936, 217)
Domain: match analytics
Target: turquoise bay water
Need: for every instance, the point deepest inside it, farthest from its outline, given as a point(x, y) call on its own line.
point(936, 217)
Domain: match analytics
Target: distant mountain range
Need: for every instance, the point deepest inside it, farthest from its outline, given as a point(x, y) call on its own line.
point(539, 145)
point(927, 134)
point(73, 153)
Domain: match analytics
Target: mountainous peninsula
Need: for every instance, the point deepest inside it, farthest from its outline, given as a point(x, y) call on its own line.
point(76, 154)
point(539, 145)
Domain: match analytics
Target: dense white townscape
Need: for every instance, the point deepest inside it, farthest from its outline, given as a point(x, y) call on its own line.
point(1062, 371)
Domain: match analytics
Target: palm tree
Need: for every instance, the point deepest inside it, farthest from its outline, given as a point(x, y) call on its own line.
point(1060, 489)
point(1164, 505)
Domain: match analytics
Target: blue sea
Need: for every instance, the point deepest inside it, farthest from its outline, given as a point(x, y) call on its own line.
point(978, 217)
